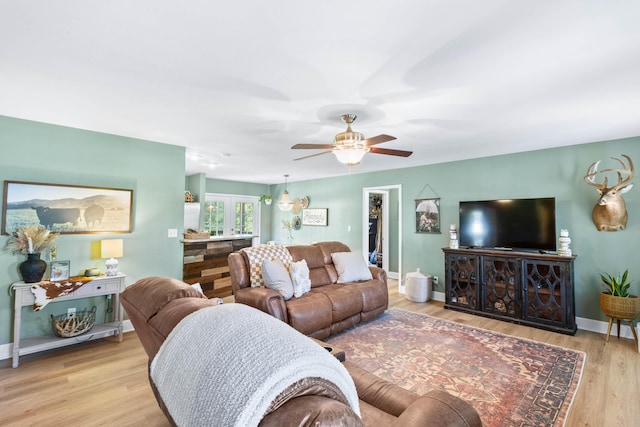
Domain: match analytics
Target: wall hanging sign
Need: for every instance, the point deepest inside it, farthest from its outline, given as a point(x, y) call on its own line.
point(315, 216)
point(66, 209)
point(428, 215)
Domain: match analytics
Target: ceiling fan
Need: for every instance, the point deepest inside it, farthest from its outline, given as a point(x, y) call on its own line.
point(350, 147)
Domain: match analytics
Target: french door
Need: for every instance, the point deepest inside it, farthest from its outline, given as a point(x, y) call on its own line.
point(226, 215)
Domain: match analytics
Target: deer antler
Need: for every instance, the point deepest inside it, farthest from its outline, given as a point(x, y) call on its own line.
point(592, 171)
point(590, 177)
point(628, 171)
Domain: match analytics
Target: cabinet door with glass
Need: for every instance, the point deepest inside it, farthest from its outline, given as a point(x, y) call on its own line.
point(462, 278)
point(231, 215)
point(501, 286)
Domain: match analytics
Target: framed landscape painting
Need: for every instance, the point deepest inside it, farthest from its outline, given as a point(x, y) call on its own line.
point(66, 209)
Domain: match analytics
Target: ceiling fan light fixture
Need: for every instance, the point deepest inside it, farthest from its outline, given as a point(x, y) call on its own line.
point(284, 204)
point(349, 155)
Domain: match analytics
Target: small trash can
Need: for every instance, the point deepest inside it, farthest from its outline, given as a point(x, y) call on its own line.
point(418, 286)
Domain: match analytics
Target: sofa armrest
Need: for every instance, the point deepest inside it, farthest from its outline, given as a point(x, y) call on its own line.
point(439, 408)
point(264, 299)
point(436, 408)
point(382, 394)
point(378, 273)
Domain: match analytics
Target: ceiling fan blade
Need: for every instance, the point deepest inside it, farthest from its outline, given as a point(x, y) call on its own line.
point(378, 140)
point(313, 155)
point(312, 146)
point(400, 153)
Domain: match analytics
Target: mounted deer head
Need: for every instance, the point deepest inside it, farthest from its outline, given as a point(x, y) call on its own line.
point(610, 213)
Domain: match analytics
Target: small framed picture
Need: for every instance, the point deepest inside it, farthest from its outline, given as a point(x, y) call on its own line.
point(60, 270)
point(315, 216)
point(428, 215)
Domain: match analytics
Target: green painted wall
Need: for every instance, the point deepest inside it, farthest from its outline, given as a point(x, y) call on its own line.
point(545, 173)
point(38, 152)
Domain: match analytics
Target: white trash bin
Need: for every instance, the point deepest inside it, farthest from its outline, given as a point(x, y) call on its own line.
point(418, 286)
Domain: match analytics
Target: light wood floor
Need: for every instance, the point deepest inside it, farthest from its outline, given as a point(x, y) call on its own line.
point(105, 383)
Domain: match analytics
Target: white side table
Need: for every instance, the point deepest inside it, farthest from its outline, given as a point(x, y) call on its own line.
point(100, 286)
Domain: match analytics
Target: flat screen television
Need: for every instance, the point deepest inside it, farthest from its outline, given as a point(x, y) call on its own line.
point(521, 224)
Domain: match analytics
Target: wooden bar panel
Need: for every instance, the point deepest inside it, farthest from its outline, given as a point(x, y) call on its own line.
point(206, 263)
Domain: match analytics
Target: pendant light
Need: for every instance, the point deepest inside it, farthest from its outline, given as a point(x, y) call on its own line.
point(284, 204)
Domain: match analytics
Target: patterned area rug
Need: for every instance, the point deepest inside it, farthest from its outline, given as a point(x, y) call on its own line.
point(510, 381)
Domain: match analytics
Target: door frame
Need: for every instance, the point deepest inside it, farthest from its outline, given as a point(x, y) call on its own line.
point(384, 189)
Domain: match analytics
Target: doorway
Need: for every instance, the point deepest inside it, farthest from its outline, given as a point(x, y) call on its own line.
point(382, 228)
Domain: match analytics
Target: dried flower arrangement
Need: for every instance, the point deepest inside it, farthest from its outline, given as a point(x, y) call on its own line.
point(31, 240)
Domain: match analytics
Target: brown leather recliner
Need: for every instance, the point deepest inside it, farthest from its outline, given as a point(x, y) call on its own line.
point(329, 307)
point(156, 305)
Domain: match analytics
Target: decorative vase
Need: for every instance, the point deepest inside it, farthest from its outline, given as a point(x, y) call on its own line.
point(33, 268)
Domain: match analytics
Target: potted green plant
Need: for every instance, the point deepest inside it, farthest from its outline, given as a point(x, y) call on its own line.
point(616, 302)
point(267, 199)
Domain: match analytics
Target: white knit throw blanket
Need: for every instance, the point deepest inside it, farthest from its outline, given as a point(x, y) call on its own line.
point(224, 365)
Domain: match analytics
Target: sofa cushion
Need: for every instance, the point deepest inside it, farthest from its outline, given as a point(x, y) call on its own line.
point(300, 278)
point(257, 254)
point(315, 261)
point(153, 293)
point(374, 294)
point(346, 300)
point(277, 277)
point(309, 313)
point(351, 267)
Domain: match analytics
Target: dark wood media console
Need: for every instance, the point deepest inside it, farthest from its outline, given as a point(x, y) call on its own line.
point(521, 287)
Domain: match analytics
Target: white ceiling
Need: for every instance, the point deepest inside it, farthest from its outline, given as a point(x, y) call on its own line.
point(239, 83)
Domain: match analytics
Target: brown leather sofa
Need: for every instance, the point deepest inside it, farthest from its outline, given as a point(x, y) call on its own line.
point(329, 307)
point(156, 305)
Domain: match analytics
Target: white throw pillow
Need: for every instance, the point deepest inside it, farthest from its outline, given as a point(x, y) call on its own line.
point(198, 287)
point(300, 278)
point(350, 266)
point(277, 277)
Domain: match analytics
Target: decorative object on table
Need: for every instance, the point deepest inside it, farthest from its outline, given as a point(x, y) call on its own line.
point(453, 237)
point(296, 223)
point(112, 249)
point(67, 208)
point(284, 204)
point(92, 272)
point(316, 216)
point(188, 197)
point(60, 270)
point(565, 241)
point(610, 212)
point(66, 326)
point(428, 215)
point(266, 198)
point(191, 234)
point(305, 202)
point(31, 241)
point(617, 303)
point(45, 291)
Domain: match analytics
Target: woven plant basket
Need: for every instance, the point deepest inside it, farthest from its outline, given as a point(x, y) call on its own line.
point(620, 307)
